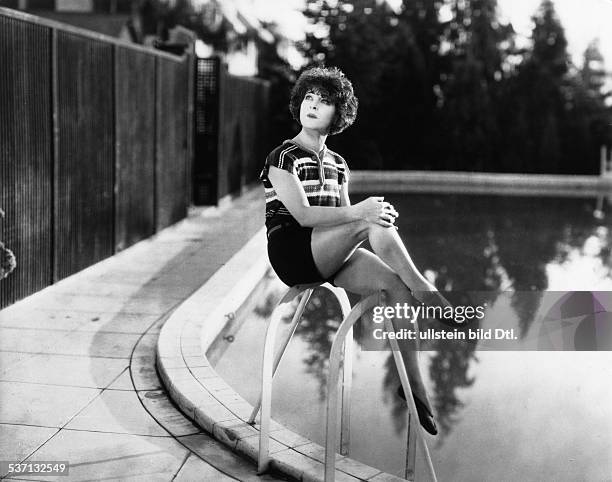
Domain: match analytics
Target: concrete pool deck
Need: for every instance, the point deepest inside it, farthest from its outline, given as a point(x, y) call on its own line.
point(77, 361)
point(214, 405)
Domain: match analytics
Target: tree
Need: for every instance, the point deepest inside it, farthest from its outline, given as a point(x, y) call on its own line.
point(456, 93)
point(593, 71)
point(537, 90)
point(379, 51)
point(272, 67)
point(476, 51)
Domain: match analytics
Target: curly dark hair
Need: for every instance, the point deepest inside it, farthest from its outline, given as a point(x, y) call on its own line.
point(332, 83)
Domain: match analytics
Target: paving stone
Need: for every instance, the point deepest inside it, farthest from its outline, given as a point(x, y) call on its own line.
point(123, 382)
point(120, 322)
point(231, 431)
point(206, 416)
point(386, 478)
point(28, 340)
point(289, 438)
point(43, 405)
point(166, 414)
point(191, 351)
point(249, 446)
point(146, 346)
point(179, 374)
point(356, 469)
point(84, 343)
point(223, 458)
point(315, 451)
point(10, 360)
point(24, 316)
point(196, 361)
point(118, 412)
point(189, 281)
point(241, 409)
point(99, 344)
point(19, 441)
point(118, 290)
point(100, 313)
point(195, 468)
point(308, 469)
point(67, 370)
point(104, 456)
point(144, 374)
point(89, 303)
point(292, 463)
point(169, 350)
point(204, 399)
point(189, 394)
point(215, 384)
point(128, 276)
point(228, 396)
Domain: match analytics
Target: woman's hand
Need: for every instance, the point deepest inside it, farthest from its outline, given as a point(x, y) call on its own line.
point(375, 210)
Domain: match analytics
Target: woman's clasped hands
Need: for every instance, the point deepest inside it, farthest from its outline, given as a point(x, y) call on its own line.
point(376, 210)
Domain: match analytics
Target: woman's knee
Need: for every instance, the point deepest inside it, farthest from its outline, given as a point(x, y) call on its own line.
point(378, 231)
point(359, 230)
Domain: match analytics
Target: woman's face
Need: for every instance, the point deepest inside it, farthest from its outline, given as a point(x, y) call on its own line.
point(317, 112)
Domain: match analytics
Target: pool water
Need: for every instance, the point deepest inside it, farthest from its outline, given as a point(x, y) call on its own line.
point(520, 415)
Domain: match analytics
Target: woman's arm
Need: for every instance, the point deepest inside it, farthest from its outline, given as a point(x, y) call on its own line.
point(292, 195)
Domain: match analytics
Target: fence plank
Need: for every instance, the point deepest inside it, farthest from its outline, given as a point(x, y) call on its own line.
point(135, 147)
point(25, 155)
point(206, 112)
point(171, 143)
point(231, 129)
point(84, 171)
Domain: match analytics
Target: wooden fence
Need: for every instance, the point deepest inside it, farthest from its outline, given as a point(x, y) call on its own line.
point(95, 147)
point(231, 131)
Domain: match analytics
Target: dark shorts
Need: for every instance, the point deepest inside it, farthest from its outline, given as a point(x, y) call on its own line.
point(290, 255)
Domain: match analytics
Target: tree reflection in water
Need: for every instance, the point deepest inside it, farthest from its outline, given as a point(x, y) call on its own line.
point(484, 244)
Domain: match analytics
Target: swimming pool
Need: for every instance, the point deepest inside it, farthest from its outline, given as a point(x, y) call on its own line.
point(526, 415)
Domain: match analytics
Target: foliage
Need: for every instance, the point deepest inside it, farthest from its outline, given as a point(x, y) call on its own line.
point(276, 70)
point(457, 93)
point(206, 20)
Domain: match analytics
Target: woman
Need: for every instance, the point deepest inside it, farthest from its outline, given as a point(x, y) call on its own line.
point(314, 232)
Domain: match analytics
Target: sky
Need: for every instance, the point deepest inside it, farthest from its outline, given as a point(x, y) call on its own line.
point(583, 20)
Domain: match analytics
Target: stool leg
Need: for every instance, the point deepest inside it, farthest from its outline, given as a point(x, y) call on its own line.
point(279, 354)
point(267, 374)
point(333, 377)
point(347, 382)
point(411, 442)
point(401, 369)
point(347, 374)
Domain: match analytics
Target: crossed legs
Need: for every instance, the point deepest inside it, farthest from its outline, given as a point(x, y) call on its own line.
point(390, 269)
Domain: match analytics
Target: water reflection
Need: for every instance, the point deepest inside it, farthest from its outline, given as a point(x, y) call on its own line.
point(474, 243)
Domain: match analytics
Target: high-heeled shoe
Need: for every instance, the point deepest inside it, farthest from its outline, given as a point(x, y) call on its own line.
point(425, 416)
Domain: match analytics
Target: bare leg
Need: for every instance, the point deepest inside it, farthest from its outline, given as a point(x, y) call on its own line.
point(387, 244)
point(365, 273)
point(332, 247)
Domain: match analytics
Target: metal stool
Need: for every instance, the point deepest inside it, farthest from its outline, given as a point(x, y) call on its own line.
point(341, 350)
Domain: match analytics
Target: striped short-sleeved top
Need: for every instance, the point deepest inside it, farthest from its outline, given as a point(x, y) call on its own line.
point(320, 175)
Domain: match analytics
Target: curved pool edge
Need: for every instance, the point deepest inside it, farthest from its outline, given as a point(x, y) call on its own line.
point(204, 397)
